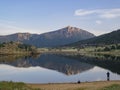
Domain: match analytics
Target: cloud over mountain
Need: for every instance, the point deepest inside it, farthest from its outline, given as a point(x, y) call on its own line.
point(101, 13)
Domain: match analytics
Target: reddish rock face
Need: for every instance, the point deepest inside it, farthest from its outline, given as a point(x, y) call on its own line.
point(24, 36)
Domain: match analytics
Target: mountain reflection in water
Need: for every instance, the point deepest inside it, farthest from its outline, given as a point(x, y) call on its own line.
point(109, 62)
point(68, 65)
point(49, 61)
point(52, 68)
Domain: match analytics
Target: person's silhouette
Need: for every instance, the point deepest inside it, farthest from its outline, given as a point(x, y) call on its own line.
point(108, 76)
point(79, 82)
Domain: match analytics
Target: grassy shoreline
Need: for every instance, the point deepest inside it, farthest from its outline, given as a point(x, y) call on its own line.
point(74, 51)
point(96, 85)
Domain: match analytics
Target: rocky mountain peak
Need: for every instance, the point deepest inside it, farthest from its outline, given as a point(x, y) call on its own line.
point(71, 29)
point(59, 37)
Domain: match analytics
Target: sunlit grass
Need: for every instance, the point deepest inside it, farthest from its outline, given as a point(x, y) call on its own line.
point(101, 85)
point(15, 86)
point(112, 87)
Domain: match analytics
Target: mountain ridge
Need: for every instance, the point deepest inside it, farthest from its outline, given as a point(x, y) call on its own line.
point(108, 38)
point(59, 37)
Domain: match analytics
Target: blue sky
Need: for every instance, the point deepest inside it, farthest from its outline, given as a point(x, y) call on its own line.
point(39, 16)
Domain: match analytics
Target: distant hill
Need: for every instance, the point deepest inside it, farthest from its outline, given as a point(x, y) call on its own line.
point(55, 38)
point(109, 38)
point(16, 37)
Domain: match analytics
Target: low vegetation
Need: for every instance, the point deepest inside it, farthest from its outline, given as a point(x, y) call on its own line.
point(113, 50)
point(109, 48)
point(112, 87)
point(101, 85)
point(17, 48)
point(15, 86)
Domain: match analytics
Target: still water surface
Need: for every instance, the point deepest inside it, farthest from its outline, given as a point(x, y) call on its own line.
point(49, 68)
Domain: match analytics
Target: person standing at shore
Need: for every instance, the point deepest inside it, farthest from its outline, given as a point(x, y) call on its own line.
point(108, 76)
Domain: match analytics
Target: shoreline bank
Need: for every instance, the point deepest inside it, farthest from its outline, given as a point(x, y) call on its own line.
point(95, 85)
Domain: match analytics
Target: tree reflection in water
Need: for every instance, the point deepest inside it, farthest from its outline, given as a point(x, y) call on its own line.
point(68, 65)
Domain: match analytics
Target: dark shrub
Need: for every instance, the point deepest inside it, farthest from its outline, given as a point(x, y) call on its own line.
point(107, 49)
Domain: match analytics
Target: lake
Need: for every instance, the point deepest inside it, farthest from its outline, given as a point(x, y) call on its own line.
point(51, 68)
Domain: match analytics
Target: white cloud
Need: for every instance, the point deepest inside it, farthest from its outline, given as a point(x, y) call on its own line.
point(98, 22)
point(102, 13)
point(82, 12)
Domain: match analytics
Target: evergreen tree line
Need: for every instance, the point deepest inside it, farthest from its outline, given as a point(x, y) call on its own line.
point(111, 47)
